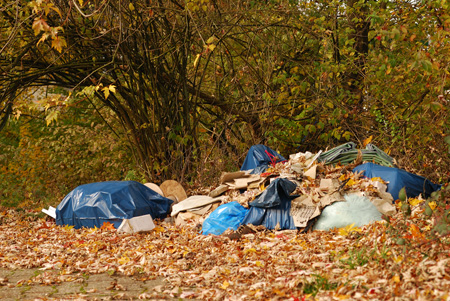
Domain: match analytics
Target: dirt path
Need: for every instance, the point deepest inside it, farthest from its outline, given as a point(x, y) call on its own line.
point(24, 284)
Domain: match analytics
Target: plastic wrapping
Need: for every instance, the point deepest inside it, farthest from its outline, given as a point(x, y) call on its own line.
point(272, 196)
point(399, 178)
point(357, 210)
point(277, 217)
point(272, 208)
point(226, 216)
point(91, 205)
point(260, 156)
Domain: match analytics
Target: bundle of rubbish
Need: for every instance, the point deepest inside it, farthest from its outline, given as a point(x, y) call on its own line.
point(333, 189)
point(348, 153)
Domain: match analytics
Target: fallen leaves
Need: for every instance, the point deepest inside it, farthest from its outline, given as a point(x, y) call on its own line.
point(264, 265)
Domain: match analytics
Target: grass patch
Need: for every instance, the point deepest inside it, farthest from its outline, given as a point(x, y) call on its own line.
point(319, 283)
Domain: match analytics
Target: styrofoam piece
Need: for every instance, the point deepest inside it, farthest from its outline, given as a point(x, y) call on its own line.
point(51, 211)
point(137, 224)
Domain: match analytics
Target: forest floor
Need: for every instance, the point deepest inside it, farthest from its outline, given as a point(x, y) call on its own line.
point(395, 259)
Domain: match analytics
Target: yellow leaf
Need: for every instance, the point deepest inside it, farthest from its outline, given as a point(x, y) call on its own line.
point(196, 60)
point(378, 179)
point(58, 43)
point(432, 205)
point(131, 6)
point(106, 91)
point(252, 250)
point(350, 182)
point(348, 229)
point(259, 264)
point(414, 202)
point(211, 47)
point(225, 285)
point(39, 25)
point(367, 141)
point(398, 259)
point(43, 38)
point(396, 279)
point(279, 293)
point(159, 229)
point(123, 260)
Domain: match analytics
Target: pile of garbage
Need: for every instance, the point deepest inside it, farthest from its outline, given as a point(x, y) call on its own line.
point(333, 189)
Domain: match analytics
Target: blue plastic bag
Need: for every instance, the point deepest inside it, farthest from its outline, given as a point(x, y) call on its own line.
point(273, 194)
point(272, 207)
point(226, 216)
point(259, 157)
point(91, 205)
point(271, 218)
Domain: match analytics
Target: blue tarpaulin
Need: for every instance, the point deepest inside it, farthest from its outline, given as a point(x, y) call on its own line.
point(226, 216)
point(260, 156)
point(91, 205)
point(272, 208)
point(399, 178)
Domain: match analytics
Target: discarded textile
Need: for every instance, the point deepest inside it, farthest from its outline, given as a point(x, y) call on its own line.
point(357, 210)
point(227, 216)
point(91, 205)
point(259, 157)
point(399, 178)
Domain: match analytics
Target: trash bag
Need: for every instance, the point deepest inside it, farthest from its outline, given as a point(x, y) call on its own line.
point(272, 208)
point(356, 209)
point(91, 205)
point(399, 178)
point(272, 195)
point(277, 217)
point(226, 216)
point(260, 156)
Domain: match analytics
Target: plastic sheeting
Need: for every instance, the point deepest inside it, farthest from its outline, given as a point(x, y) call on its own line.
point(91, 205)
point(357, 210)
point(260, 156)
point(272, 208)
point(399, 178)
point(226, 216)
point(272, 196)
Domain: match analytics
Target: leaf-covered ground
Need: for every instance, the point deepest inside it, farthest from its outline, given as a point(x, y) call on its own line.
point(379, 261)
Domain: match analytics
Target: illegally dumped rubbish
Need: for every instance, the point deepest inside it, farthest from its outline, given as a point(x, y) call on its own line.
point(51, 211)
point(397, 179)
point(194, 208)
point(356, 209)
point(155, 188)
point(259, 157)
point(297, 193)
point(309, 191)
point(173, 190)
point(271, 208)
point(347, 153)
point(91, 205)
point(227, 216)
point(138, 224)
